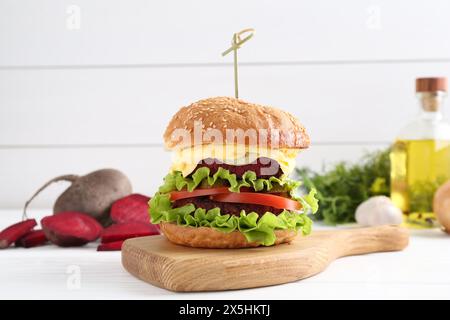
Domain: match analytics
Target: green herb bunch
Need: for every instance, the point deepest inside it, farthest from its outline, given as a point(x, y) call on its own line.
point(344, 186)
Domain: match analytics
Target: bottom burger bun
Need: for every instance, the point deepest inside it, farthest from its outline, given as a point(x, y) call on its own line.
point(204, 237)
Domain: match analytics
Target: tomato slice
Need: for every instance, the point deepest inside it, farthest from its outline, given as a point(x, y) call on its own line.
point(177, 195)
point(264, 199)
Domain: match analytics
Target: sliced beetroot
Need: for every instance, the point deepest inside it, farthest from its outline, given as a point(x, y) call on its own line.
point(71, 229)
point(123, 231)
point(132, 208)
point(33, 238)
point(110, 246)
point(15, 232)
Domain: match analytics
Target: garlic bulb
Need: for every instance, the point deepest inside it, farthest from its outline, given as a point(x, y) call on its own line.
point(377, 211)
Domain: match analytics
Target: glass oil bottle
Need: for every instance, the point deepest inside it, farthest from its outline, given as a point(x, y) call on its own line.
point(420, 156)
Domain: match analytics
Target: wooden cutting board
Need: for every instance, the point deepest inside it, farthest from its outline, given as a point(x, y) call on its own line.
point(157, 261)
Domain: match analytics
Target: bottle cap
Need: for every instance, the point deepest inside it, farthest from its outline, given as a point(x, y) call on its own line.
point(431, 84)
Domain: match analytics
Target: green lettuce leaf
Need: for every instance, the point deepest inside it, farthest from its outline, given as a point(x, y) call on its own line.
point(176, 182)
point(254, 228)
point(308, 201)
point(201, 177)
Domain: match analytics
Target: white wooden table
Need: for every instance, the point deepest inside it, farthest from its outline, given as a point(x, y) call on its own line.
point(422, 271)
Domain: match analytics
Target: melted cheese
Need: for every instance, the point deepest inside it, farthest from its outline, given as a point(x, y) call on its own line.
point(186, 160)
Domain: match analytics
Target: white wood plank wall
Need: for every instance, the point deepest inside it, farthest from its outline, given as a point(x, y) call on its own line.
point(86, 84)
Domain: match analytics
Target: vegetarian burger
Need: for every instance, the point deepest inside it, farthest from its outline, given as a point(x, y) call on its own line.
point(229, 184)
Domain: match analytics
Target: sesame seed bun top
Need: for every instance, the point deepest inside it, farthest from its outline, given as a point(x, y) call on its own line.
point(226, 117)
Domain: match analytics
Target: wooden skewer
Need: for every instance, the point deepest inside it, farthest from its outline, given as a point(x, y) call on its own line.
point(236, 43)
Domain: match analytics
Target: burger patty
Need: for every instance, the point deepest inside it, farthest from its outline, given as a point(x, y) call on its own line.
point(263, 167)
point(226, 207)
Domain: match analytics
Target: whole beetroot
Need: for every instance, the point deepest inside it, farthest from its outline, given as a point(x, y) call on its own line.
point(93, 193)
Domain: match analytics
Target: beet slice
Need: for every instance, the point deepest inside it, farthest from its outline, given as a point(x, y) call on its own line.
point(71, 229)
point(132, 208)
point(111, 246)
point(15, 232)
point(123, 231)
point(33, 238)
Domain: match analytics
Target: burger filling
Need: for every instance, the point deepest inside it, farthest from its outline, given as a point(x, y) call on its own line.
point(263, 167)
point(254, 198)
point(187, 160)
point(230, 208)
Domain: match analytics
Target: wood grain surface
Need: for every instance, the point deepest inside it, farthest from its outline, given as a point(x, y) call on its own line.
point(157, 261)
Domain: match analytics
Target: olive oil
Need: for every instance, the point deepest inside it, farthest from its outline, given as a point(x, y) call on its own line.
point(420, 156)
point(418, 168)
